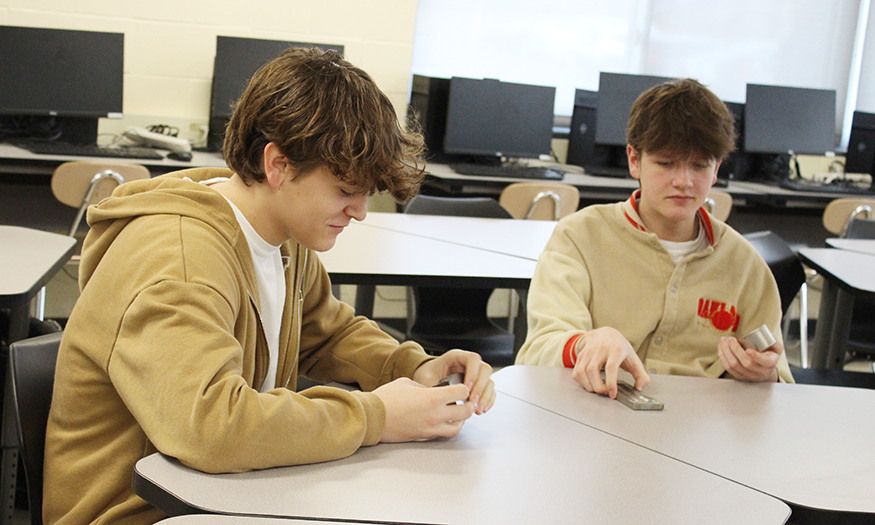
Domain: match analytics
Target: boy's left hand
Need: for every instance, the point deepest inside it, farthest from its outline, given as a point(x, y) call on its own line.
point(748, 364)
point(480, 386)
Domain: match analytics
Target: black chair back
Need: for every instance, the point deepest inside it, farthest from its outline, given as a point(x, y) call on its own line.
point(786, 267)
point(446, 318)
point(32, 371)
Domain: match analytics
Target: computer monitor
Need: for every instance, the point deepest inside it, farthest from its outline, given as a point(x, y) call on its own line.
point(489, 119)
point(237, 59)
point(617, 92)
point(57, 83)
point(780, 119)
point(860, 157)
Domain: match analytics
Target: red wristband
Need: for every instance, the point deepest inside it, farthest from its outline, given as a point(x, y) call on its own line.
point(569, 356)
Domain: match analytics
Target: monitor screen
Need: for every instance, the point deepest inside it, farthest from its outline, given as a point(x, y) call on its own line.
point(779, 119)
point(60, 72)
point(617, 92)
point(493, 118)
point(237, 59)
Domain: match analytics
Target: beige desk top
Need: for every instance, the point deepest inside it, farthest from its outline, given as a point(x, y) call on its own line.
point(518, 238)
point(369, 255)
point(30, 257)
point(805, 444)
point(517, 464)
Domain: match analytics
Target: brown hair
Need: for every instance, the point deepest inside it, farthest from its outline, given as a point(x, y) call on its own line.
point(320, 109)
point(681, 117)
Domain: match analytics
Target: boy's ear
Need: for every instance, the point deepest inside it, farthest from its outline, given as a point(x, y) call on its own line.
point(276, 165)
point(634, 157)
point(716, 170)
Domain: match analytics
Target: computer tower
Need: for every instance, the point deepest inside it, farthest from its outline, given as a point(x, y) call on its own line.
point(582, 149)
point(428, 108)
point(736, 165)
point(860, 157)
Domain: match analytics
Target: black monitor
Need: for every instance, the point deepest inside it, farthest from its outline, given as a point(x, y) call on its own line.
point(617, 92)
point(57, 83)
point(488, 119)
point(237, 59)
point(780, 119)
point(860, 157)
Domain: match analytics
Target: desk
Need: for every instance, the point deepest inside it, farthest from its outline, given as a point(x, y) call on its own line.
point(847, 275)
point(29, 259)
point(518, 464)
point(21, 161)
point(215, 519)
point(866, 246)
point(808, 445)
point(368, 256)
point(518, 238)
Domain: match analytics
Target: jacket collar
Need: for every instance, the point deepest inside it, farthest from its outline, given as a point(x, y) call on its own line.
point(631, 212)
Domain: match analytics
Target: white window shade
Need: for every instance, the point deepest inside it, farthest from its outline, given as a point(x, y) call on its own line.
point(798, 43)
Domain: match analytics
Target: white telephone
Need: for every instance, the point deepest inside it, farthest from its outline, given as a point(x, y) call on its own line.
point(134, 136)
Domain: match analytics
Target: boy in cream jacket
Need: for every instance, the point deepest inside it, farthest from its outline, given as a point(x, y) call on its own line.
point(655, 284)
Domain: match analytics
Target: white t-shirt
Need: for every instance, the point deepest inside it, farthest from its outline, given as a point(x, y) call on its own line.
point(679, 250)
point(271, 287)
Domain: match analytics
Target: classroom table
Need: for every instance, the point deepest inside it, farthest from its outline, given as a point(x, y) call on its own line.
point(808, 445)
point(19, 161)
point(514, 237)
point(517, 464)
point(866, 246)
point(217, 519)
point(367, 256)
point(847, 276)
point(29, 260)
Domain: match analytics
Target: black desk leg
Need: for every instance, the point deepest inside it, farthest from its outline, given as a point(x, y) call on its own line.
point(364, 300)
point(833, 328)
point(9, 438)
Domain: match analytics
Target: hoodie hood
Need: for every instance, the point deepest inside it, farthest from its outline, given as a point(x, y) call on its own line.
point(178, 193)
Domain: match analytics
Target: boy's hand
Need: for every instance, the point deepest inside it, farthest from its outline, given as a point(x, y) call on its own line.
point(477, 376)
point(606, 349)
point(416, 412)
point(748, 364)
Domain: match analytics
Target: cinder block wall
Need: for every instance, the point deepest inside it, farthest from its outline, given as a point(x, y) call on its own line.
point(170, 44)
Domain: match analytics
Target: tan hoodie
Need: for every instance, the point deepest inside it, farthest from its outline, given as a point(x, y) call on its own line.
point(164, 351)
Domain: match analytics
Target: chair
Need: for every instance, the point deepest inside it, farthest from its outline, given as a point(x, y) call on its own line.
point(719, 204)
point(80, 184)
point(839, 211)
point(532, 200)
point(789, 275)
point(861, 339)
point(32, 372)
point(444, 318)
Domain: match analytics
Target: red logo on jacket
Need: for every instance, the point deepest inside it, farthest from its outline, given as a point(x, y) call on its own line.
point(716, 312)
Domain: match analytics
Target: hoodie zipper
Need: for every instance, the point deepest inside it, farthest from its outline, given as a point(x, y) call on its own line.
point(298, 319)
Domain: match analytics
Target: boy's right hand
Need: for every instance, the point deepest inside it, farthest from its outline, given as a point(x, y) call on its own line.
point(415, 412)
point(606, 349)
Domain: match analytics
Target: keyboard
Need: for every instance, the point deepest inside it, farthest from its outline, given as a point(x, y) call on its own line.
point(515, 172)
point(833, 187)
point(90, 150)
point(607, 171)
